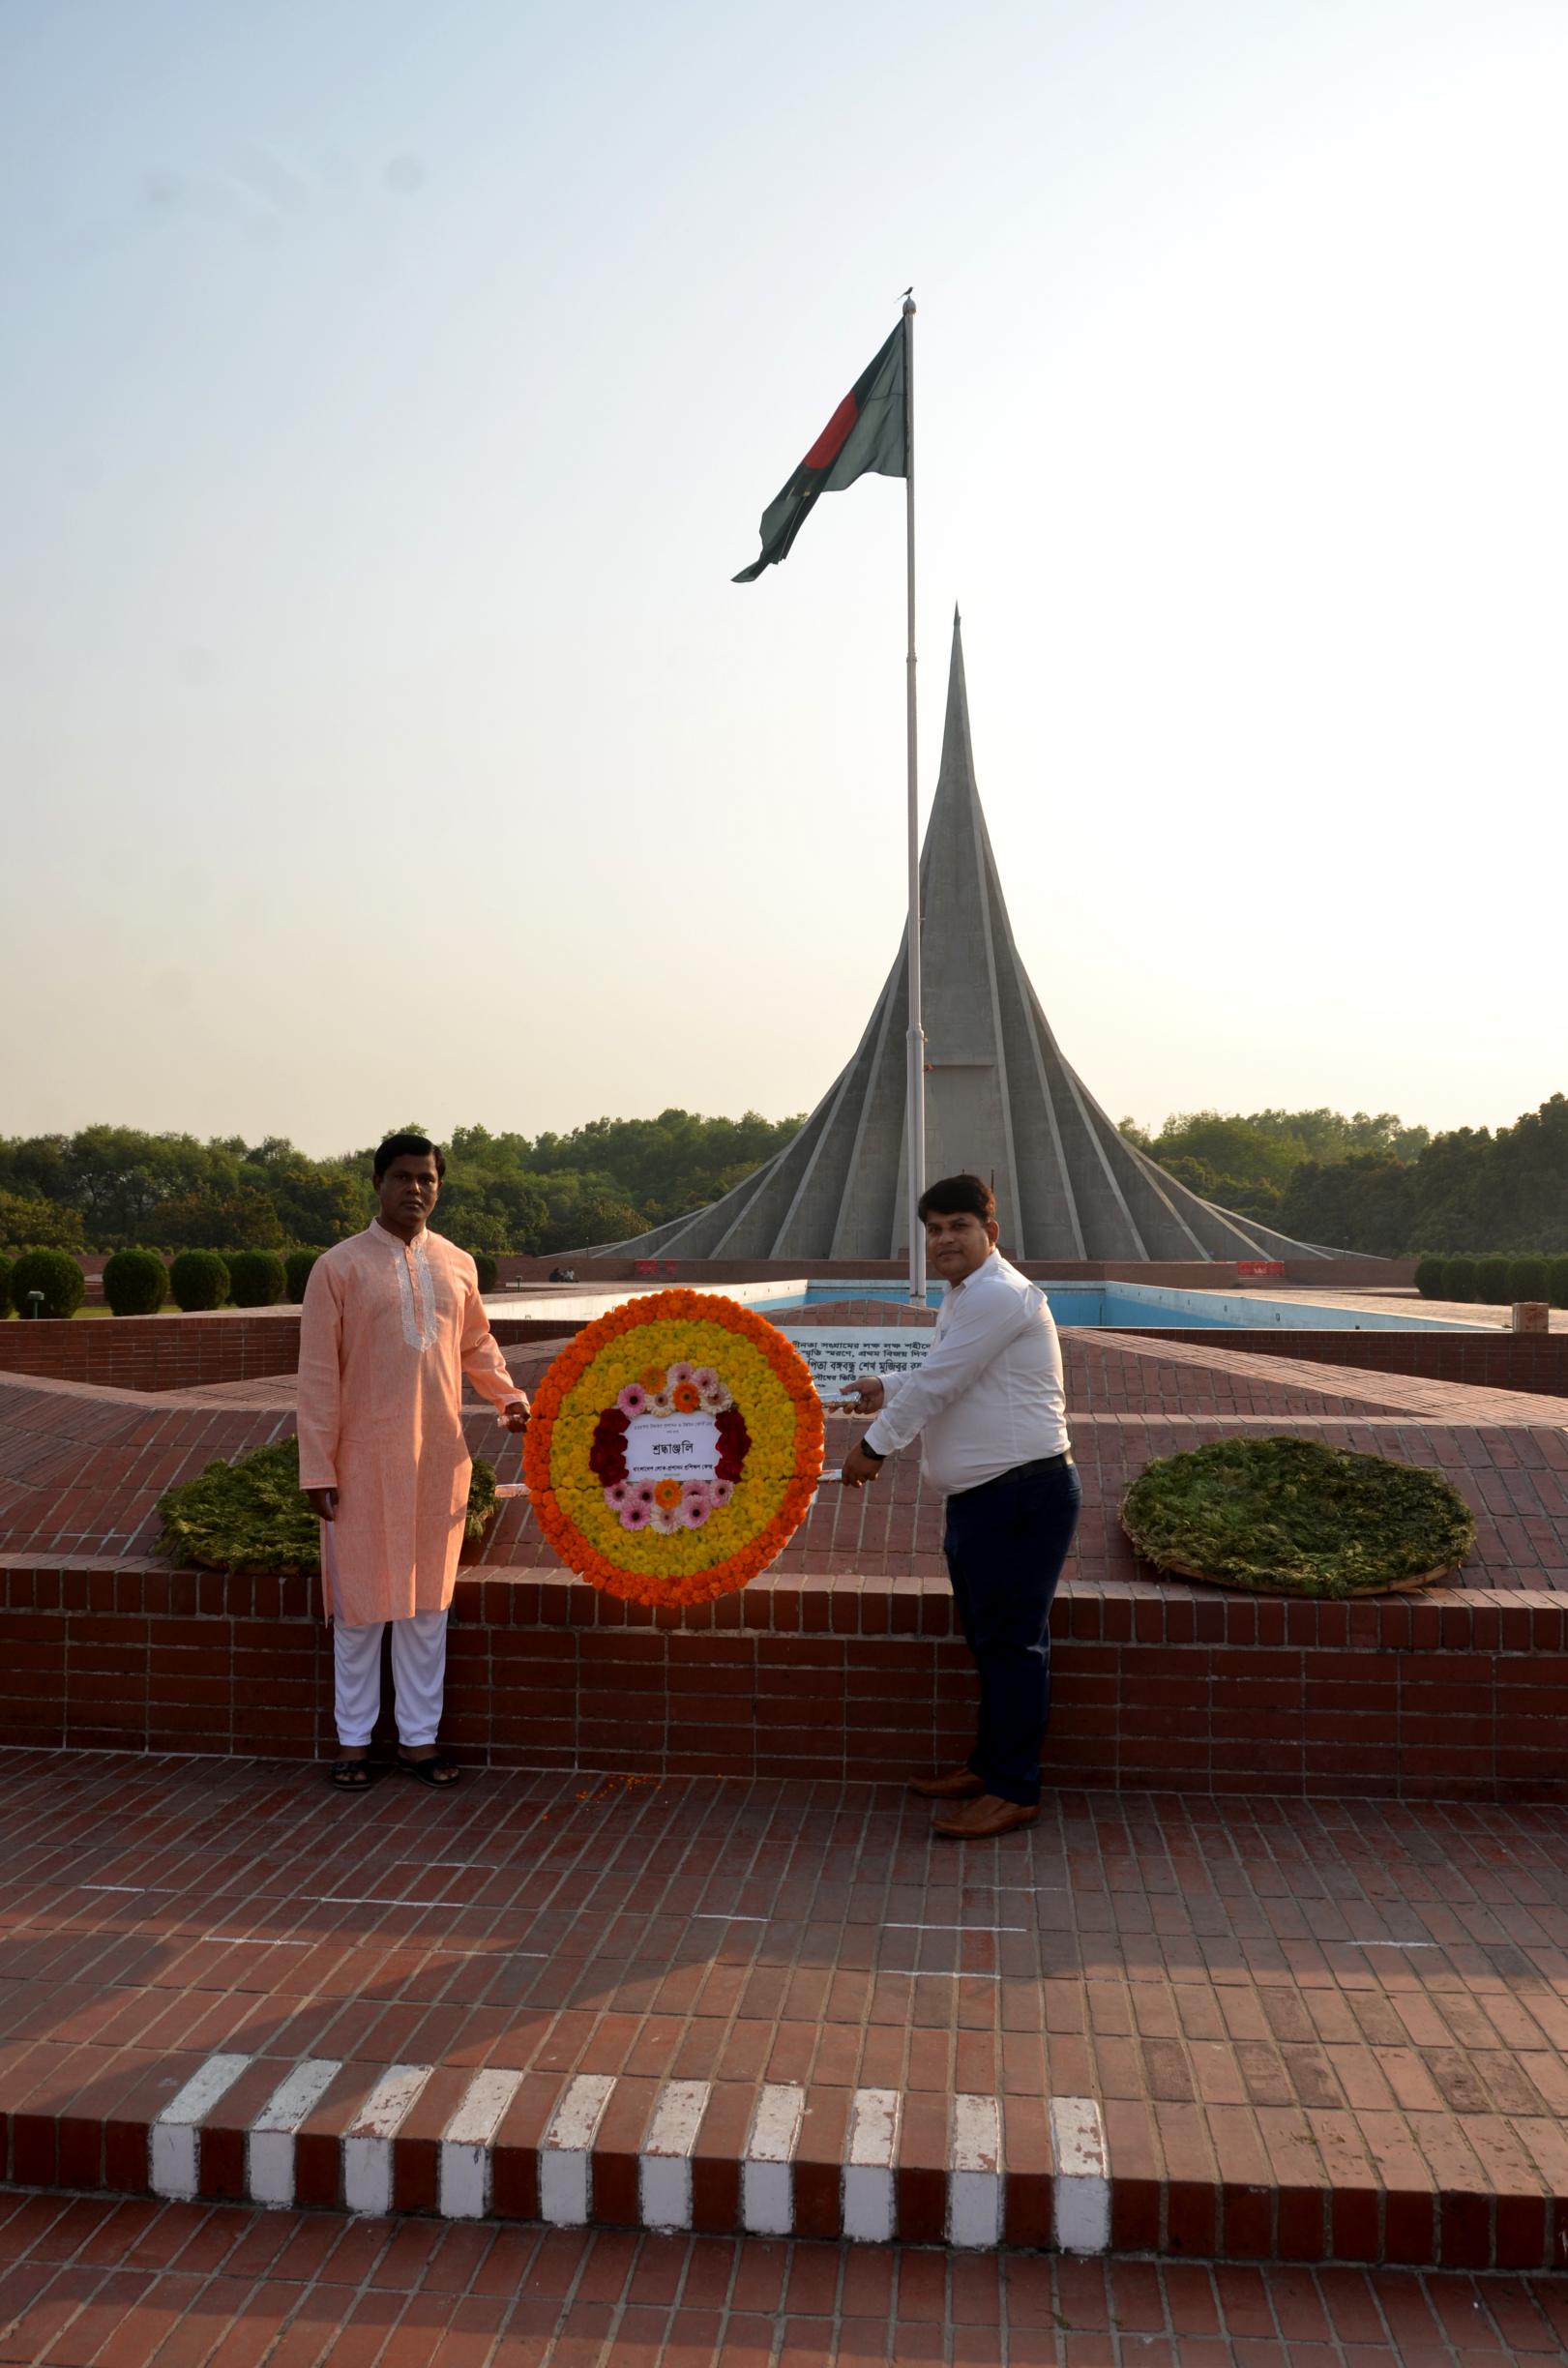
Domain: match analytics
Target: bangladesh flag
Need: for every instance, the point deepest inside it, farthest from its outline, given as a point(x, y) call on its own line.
point(866, 432)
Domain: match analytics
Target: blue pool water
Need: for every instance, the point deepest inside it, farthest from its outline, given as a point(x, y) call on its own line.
point(1131, 1307)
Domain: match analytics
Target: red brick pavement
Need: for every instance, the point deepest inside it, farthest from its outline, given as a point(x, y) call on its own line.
point(89, 2284)
point(1315, 2030)
point(82, 1469)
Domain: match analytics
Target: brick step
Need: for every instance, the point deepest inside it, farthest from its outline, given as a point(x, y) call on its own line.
point(781, 2159)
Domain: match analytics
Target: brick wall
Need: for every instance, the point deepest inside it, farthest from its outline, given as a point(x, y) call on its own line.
point(176, 1352)
point(156, 1353)
point(1450, 1695)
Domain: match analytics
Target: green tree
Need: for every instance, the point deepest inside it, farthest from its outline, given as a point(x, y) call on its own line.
point(28, 1221)
point(1361, 1203)
point(241, 1220)
point(116, 1177)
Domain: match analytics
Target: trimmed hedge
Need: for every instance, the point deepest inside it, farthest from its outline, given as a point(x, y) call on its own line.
point(255, 1278)
point(54, 1272)
point(251, 1515)
point(1492, 1279)
point(1459, 1278)
point(5, 1289)
point(1556, 1278)
point(135, 1282)
point(198, 1280)
point(1289, 1516)
point(486, 1270)
point(297, 1273)
point(1526, 1279)
point(1428, 1276)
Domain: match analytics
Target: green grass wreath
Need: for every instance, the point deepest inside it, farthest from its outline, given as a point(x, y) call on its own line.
point(250, 1515)
point(1289, 1517)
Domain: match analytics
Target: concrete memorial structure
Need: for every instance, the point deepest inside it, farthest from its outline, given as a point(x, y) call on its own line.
point(1001, 1101)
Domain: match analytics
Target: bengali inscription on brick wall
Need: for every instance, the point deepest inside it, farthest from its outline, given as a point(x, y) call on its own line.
point(835, 1357)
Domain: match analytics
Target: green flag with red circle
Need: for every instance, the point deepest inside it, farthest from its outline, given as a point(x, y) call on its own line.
point(867, 434)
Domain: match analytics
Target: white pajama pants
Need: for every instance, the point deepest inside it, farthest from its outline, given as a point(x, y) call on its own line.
point(418, 1672)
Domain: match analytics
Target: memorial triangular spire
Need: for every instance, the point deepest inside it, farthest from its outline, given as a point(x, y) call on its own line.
point(1000, 1100)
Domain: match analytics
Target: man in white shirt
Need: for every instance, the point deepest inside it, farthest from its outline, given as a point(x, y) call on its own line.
point(989, 1407)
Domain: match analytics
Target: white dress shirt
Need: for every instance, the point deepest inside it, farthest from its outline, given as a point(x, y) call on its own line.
point(989, 1393)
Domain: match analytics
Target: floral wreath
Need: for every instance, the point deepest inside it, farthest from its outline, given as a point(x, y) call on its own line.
point(673, 1448)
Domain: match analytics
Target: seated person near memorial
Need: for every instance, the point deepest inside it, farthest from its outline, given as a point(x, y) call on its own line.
point(989, 1407)
point(391, 1323)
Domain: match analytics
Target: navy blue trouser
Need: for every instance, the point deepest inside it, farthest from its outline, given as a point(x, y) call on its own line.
point(1006, 1543)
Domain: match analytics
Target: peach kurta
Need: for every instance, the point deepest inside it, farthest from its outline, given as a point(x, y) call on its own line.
point(387, 1332)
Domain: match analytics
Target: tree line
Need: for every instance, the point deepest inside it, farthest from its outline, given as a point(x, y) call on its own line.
point(1361, 1182)
point(1374, 1184)
point(111, 1188)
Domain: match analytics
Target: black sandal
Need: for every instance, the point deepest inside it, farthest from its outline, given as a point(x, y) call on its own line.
point(435, 1771)
point(352, 1775)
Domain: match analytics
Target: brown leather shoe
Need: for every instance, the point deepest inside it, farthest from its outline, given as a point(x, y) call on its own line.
point(959, 1783)
point(977, 1821)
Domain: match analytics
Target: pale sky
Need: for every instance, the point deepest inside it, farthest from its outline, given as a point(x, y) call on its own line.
point(391, 392)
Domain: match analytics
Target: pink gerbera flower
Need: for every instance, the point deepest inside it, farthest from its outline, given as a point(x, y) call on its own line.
point(617, 1495)
point(694, 1512)
point(705, 1378)
point(642, 1491)
point(719, 1492)
point(635, 1515)
point(677, 1373)
point(632, 1399)
point(666, 1519)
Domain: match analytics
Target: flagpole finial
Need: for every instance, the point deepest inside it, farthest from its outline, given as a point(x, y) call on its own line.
point(908, 300)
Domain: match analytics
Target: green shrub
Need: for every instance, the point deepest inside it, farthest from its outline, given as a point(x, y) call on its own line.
point(198, 1280)
point(251, 1515)
point(255, 1278)
point(1428, 1276)
point(1557, 1279)
point(5, 1289)
point(136, 1282)
point(1459, 1278)
point(1492, 1279)
point(54, 1272)
point(486, 1270)
point(297, 1273)
point(1526, 1279)
point(1289, 1516)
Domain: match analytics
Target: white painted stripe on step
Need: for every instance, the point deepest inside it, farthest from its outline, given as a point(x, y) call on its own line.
point(665, 2164)
point(465, 2161)
point(1081, 2206)
point(868, 2170)
point(269, 2147)
point(974, 2180)
point(171, 2142)
point(767, 2172)
point(368, 2142)
point(564, 2163)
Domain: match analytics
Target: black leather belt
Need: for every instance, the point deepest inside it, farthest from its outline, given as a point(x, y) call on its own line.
point(1020, 1471)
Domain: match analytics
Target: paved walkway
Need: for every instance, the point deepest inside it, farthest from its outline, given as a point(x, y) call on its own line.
point(1298, 1378)
point(1410, 1302)
point(1306, 2027)
point(88, 2283)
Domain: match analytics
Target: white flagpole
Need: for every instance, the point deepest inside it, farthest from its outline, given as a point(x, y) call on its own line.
point(915, 1095)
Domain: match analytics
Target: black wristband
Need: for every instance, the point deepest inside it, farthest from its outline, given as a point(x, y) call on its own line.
point(875, 1456)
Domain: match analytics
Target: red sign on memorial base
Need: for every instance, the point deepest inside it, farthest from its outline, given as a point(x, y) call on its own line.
point(1259, 1266)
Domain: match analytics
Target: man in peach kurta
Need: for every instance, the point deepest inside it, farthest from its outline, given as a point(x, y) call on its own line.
point(392, 1321)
